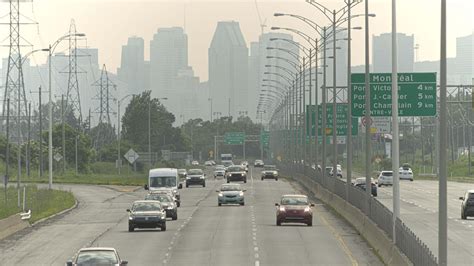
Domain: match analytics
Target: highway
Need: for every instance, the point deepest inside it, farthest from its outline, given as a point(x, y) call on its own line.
point(419, 211)
point(204, 233)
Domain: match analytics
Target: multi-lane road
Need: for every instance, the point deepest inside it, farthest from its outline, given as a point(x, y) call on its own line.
point(204, 233)
point(419, 211)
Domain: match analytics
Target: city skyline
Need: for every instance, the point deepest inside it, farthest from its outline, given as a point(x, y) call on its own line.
point(200, 21)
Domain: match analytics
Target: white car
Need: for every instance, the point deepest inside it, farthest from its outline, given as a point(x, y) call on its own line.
point(406, 173)
point(208, 163)
point(219, 172)
point(195, 163)
point(385, 178)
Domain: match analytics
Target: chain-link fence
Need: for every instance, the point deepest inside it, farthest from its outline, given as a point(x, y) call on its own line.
point(415, 250)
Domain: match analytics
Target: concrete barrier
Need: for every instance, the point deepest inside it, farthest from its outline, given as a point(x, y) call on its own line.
point(11, 225)
point(374, 235)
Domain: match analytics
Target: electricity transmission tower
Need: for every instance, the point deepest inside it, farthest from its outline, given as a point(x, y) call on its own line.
point(14, 85)
point(105, 98)
point(73, 98)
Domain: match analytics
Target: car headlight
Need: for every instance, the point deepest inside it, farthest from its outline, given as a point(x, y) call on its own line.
point(170, 207)
point(241, 193)
point(163, 215)
point(282, 209)
point(187, 178)
point(131, 217)
point(242, 174)
point(221, 195)
point(175, 191)
point(307, 209)
point(202, 177)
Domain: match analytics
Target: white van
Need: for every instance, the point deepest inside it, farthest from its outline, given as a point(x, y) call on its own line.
point(164, 179)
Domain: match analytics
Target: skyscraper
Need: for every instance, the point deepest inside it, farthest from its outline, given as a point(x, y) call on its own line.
point(168, 55)
point(228, 70)
point(382, 50)
point(465, 58)
point(132, 67)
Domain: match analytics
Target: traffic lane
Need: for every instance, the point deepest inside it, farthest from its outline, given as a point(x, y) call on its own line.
point(152, 246)
point(330, 241)
point(215, 235)
point(421, 216)
point(56, 240)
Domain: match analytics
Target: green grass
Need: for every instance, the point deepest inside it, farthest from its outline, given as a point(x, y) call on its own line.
point(41, 202)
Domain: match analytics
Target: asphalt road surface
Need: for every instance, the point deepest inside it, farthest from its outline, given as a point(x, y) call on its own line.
point(204, 233)
point(419, 211)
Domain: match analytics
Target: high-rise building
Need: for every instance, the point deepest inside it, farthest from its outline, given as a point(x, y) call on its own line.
point(382, 53)
point(228, 70)
point(132, 66)
point(465, 58)
point(285, 51)
point(168, 55)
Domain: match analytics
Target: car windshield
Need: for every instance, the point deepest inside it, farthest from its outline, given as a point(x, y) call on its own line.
point(182, 171)
point(163, 181)
point(158, 197)
point(220, 168)
point(387, 173)
point(270, 167)
point(294, 201)
point(235, 169)
point(146, 206)
point(230, 188)
point(471, 196)
point(195, 172)
point(96, 257)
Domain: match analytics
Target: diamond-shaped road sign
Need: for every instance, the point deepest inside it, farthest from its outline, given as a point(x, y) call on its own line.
point(58, 157)
point(131, 156)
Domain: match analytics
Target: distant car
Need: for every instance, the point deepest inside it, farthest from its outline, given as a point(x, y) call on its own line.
point(230, 194)
point(97, 256)
point(245, 167)
point(467, 205)
point(219, 172)
point(146, 214)
point(360, 183)
point(385, 178)
point(182, 173)
point(171, 192)
point(195, 177)
point(405, 173)
point(294, 209)
point(213, 162)
point(245, 163)
point(236, 173)
point(330, 171)
point(314, 167)
point(270, 171)
point(167, 202)
point(194, 163)
point(208, 163)
point(258, 163)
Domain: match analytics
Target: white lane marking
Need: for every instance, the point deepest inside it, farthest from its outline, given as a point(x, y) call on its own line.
point(257, 263)
point(255, 249)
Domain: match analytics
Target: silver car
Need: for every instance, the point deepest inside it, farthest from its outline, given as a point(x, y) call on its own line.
point(96, 256)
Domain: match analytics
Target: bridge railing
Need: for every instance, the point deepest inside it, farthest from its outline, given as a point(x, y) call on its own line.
point(407, 241)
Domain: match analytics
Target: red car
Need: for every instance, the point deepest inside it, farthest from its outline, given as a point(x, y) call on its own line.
point(294, 209)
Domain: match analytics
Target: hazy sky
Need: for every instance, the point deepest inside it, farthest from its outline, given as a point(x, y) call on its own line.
point(108, 23)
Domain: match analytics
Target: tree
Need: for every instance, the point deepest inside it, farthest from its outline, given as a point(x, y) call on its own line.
point(162, 133)
point(84, 149)
point(103, 134)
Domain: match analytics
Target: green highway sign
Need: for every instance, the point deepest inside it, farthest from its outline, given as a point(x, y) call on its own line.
point(416, 94)
point(234, 138)
point(265, 138)
point(341, 117)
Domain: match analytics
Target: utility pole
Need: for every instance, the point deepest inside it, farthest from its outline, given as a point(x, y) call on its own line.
point(368, 171)
point(7, 155)
point(40, 136)
point(28, 152)
point(63, 133)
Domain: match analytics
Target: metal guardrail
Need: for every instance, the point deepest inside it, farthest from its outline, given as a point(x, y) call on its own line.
point(407, 241)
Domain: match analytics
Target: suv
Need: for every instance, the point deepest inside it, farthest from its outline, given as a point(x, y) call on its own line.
point(236, 173)
point(195, 177)
point(385, 178)
point(467, 205)
point(270, 171)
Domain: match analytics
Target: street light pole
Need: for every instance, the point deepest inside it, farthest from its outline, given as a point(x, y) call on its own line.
point(368, 173)
point(334, 98)
point(323, 107)
point(349, 99)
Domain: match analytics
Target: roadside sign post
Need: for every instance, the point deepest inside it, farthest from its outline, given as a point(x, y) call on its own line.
point(132, 157)
point(341, 120)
